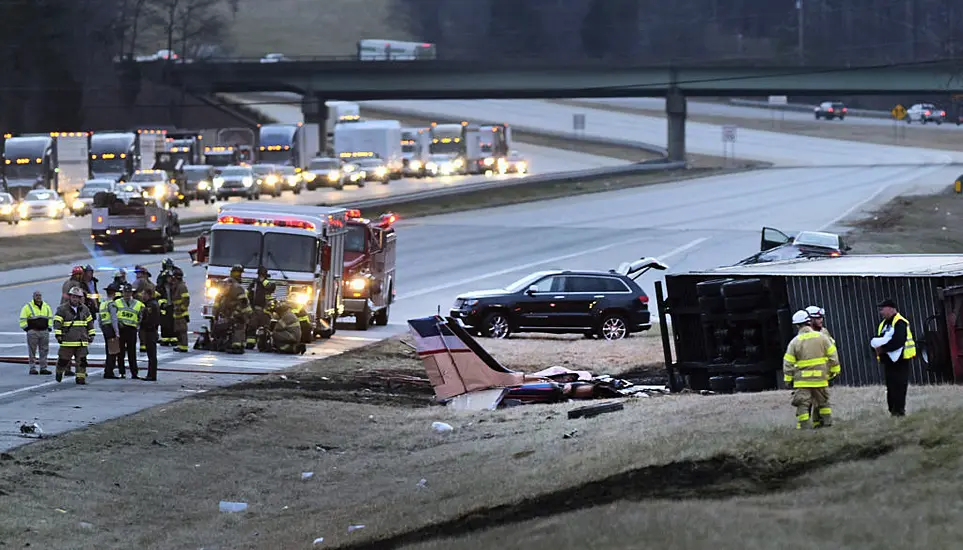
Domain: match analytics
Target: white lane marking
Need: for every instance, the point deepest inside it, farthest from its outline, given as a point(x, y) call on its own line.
point(90, 373)
point(530, 265)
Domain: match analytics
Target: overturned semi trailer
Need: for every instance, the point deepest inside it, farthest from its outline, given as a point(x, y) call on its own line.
point(730, 325)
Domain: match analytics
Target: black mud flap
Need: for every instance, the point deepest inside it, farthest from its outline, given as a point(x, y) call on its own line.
point(590, 411)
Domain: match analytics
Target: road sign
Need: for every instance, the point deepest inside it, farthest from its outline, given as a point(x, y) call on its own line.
point(778, 100)
point(729, 133)
point(578, 122)
point(899, 112)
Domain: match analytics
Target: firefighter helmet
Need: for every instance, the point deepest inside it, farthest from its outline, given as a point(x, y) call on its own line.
point(801, 317)
point(76, 291)
point(77, 270)
point(237, 267)
point(816, 311)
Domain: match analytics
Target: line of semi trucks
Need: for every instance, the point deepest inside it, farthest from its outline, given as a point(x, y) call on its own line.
point(65, 161)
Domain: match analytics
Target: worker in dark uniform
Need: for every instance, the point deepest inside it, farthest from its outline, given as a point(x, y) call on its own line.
point(110, 328)
point(73, 326)
point(231, 304)
point(259, 295)
point(150, 322)
point(167, 337)
point(287, 331)
point(90, 287)
point(179, 302)
point(75, 281)
point(898, 336)
point(129, 313)
point(120, 278)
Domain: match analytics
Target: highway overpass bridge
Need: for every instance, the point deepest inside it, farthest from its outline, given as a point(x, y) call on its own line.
point(317, 80)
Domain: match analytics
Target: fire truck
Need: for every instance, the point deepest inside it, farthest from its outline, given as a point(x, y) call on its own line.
point(369, 269)
point(302, 248)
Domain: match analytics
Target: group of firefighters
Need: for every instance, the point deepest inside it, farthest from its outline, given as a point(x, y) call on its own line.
point(131, 314)
point(811, 362)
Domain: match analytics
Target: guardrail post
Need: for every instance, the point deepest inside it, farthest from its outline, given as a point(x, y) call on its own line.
point(675, 110)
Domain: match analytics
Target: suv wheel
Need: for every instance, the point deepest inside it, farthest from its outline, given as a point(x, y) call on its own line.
point(496, 326)
point(613, 327)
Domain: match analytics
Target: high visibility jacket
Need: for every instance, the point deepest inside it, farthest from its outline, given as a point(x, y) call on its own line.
point(107, 316)
point(179, 298)
point(34, 317)
point(826, 332)
point(74, 329)
point(129, 315)
point(810, 360)
point(909, 348)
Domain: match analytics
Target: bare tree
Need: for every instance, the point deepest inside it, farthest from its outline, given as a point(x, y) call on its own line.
point(183, 22)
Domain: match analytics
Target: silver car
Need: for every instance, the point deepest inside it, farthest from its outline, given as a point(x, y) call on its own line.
point(237, 181)
point(42, 203)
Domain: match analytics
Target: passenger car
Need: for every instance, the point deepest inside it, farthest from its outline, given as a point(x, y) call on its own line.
point(8, 209)
point(273, 58)
point(291, 179)
point(374, 169)
point(324, 171)
point(199, 182)
point(925, 112)
point(268, 179)
point(514, 163)
point(776, 245)
point(236, 181)
point(442, 164)
point(42, 203)
point(352, 172)
point(82, 204)
point(158, 184)
point(830, 110)
point(610, 305)
point(127, 191)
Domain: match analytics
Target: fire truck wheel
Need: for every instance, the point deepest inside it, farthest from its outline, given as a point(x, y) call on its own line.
point(381, 318)
point(362, 320)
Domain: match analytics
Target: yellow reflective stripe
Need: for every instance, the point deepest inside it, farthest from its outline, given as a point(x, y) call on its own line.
point(812, 362)
point(831, 350)
point(809, 335)
point(835, 369)
point(58, 318)
point(811, 373)
point(802, 417)
point(74, 345)
point(186, 295)
point(787, 379)
point(790, 358)
point(811, 384)
point(825, 410)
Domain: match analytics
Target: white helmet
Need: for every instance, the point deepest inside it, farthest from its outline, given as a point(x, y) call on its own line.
point(816, 311)
point(800, 317)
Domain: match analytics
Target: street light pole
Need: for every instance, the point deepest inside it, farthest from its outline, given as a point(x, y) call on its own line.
point(800, 28)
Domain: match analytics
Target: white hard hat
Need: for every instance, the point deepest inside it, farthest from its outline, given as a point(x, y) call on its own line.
point(800, 317)
point(75, 291)
point(816, 311)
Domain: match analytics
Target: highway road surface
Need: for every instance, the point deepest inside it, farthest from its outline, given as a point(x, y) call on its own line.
point(778, 148)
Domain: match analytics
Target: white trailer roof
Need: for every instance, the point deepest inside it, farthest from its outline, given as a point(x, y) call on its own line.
point(882, 265)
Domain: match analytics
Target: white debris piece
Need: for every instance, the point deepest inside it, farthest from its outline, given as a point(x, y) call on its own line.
point(422, 484)
point(228, 506)
point(355, 527)
point(307, 475)
point(318, 540)
point(441, 428)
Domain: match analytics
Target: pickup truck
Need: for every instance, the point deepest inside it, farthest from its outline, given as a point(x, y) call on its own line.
point(142, 223)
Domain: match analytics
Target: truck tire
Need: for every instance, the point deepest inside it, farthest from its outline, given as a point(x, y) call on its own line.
point(711, 289)
point(381, 318)
point(750, 384)
point(362, 320)
point(722, 384)
point(743, 288)
point(697, 381)
point(743, 303)
point(714, 304)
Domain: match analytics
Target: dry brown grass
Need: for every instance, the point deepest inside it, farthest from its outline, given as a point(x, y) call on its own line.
point(921, 224)
point(910, 136)
point(153, 480)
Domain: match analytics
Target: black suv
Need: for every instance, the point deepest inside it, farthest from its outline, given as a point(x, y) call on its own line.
point(607, 304)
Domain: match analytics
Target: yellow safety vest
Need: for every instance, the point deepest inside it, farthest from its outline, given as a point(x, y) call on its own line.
point(909, 348)
point(104, 313)
point(129, 316)
point(30, 311)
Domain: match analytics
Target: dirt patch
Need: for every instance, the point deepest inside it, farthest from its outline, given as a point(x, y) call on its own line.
point(896, 134)
point(921, 224)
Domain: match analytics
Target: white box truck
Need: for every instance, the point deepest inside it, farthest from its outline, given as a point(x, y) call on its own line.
point(371, 138)
point(73, 163)
point(341, 112)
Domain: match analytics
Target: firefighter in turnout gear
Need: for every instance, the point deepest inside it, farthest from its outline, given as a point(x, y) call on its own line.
point(130, 311)
point(90, 287)
point(179, 303)
point(817, 318)
point(35, 318)
point(287, 331)
point(75, 281)
point(110, 328)
point(73, 326)
point(231, 305)
point(150, 322)
point(260, 296)
point(808, 366)
point(143, 284)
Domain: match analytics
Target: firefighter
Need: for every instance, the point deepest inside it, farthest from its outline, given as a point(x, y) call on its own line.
point(73, 326)
point(35, 319)
point(75, 281)
point(120, 278)
point(179, 303)
point(129, 313)
point(307, 331)
point(90, 287)
point(167, 269)
point(110, 328)
point(808, 366)
point(150, 322)
point(231, 304)
point(899, 342)
point(817, 317)
point(259, 295)
point(168, 335)
point(287, 331)
point(142, 283)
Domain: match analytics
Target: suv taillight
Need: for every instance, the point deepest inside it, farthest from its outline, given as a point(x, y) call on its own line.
point(644, 299)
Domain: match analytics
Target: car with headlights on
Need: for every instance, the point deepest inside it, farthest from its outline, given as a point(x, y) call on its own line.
point(352, 172)
point(607, 304)
point(42, 203)
point(375, 169)
point(236, 181)
point(84, 201)
point(291, 179)
point(442, 164)
point(199, 182)
point(324, 172)
point(514, 163)
point(9, 211)
point(268, 179)
point(158, 184)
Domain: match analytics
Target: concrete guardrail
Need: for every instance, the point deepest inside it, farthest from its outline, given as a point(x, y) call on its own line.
point(797, 107)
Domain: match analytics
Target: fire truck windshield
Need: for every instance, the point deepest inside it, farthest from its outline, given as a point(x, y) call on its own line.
point(281, 251)
point(235, 247)
point(354, 239)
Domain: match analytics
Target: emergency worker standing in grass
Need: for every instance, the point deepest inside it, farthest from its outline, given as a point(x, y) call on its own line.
point(808, 366)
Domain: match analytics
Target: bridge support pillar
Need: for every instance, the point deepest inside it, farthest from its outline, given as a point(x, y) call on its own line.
point(314, 112)
point(675, 110)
